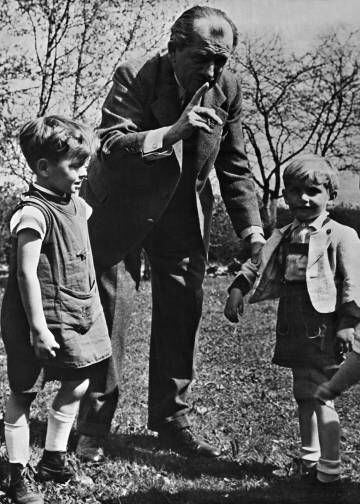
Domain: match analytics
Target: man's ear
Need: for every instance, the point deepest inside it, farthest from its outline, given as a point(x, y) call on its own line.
point(42, 167)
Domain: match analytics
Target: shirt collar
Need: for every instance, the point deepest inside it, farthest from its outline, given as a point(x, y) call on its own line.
point(316, 224)
point(48, 191)
point(63, 199)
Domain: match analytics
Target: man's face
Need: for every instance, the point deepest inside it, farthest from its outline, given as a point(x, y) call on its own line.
point(205, 59)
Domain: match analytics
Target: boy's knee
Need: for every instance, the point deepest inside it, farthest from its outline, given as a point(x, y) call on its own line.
point(76, 390)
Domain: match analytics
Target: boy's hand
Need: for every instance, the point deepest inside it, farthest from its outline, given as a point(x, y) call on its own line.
point(234, 305)
point(44, 343)
point(346, 339)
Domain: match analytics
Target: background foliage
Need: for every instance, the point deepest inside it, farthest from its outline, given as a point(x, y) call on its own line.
point(59, 56)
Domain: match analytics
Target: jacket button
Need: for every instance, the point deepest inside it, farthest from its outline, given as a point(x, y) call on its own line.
point(328, 231)
point(150, 221)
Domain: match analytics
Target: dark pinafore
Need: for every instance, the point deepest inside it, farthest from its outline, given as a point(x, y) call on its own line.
point(70, 299)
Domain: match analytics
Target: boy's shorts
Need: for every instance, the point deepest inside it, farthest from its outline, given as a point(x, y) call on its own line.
point(307, 380)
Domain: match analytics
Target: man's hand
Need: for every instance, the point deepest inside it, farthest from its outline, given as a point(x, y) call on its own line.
point(193, 117)
point(346, 339)
point(44, 343)
point(234, 305)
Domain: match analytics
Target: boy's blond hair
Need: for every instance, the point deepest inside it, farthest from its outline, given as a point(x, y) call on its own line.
point(52, 138)
point(314, 168)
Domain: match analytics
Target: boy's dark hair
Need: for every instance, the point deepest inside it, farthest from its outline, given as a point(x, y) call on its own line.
point(314, 168)
point(53, 137)
point(182, 31)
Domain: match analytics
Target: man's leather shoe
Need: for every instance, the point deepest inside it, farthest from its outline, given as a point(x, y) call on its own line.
point(184, 441)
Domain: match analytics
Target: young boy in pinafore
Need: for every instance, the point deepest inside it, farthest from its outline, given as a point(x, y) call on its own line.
point(52, 321)
point(313, 266)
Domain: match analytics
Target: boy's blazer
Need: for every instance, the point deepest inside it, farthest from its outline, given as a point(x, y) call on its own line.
point(129, 193)
point(332, 274)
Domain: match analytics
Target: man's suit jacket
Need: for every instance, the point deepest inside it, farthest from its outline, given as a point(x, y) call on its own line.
point(332, 272)
point(129, 193)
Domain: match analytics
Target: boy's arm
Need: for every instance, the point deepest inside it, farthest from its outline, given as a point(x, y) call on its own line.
point(240, 287)
point(28, 254)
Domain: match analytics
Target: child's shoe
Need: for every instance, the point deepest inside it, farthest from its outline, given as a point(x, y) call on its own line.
point(53, 467)
point(19, 489)
point(304, 469)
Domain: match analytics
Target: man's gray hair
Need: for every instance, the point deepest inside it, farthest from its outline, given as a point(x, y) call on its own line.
point(182, 31)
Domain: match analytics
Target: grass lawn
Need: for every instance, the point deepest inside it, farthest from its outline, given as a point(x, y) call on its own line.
point(240, 401)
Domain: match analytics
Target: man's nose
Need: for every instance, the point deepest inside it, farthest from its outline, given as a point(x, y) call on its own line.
point(82, 172)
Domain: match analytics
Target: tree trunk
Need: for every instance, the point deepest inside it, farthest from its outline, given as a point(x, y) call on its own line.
point(269, 215)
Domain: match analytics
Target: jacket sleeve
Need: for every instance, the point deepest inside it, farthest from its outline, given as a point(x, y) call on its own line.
point(121, 129)
point(233, 171)
point(247, 277)
point(348, 265)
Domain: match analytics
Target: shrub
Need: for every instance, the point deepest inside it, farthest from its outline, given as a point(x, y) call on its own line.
point(225, 245)
point(9, 197)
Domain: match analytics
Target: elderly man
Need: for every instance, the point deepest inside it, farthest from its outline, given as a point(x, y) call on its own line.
point(166, 123)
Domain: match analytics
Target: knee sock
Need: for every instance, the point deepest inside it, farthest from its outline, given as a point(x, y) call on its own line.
point(17, 438)
point(310, 456)
point(328, 470)
point(58, 430)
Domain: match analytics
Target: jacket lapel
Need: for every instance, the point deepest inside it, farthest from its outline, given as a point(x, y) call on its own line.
point(318, 244)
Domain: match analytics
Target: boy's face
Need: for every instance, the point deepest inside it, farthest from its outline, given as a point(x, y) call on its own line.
point(306, 199)
point(63, 176)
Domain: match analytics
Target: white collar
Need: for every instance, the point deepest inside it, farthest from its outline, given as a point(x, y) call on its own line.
point(316, 224)
point(47, 191)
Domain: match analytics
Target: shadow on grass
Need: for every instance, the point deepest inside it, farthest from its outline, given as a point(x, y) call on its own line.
point(275, 492)
point(145, 449)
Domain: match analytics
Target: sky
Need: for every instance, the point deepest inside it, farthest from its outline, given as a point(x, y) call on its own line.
point(299, 21)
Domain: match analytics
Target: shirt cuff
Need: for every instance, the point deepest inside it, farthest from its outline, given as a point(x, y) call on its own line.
point(255, 232)
point(153, 144)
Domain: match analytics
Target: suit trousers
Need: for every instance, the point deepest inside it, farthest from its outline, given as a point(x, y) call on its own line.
point(177, 297)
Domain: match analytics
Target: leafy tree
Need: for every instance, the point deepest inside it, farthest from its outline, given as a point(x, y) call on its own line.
point(294, 104)
point(59, 56)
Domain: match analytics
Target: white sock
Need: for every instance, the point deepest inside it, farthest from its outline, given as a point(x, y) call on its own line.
point(17, 439)
point(58, 430)
point(310, 455)
point(328, 470)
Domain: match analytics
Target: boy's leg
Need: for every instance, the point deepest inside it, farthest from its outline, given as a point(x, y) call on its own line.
point(60, 420)
point(310, 447)
point(17, 445)
point(17, 431)
point(328, 468)
point(347, 375)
